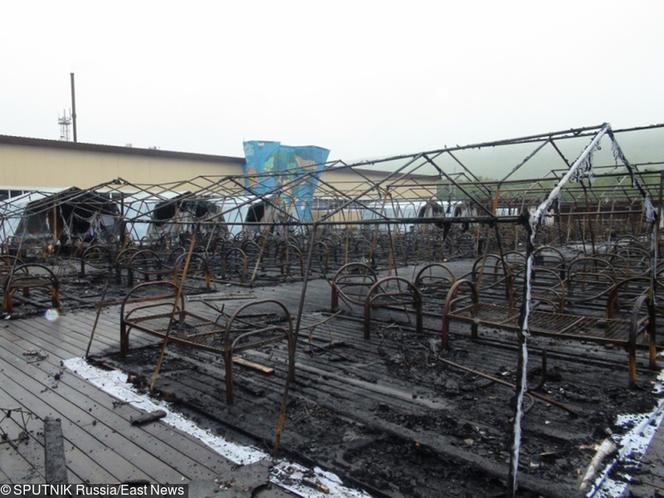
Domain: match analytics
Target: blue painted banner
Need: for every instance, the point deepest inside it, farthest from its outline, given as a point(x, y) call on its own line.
point(269, 165)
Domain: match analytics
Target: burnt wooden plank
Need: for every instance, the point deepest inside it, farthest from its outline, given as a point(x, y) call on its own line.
point(55, 462)
point(148, 417)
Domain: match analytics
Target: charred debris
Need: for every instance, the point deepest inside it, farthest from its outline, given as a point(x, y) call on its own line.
point(428, 333)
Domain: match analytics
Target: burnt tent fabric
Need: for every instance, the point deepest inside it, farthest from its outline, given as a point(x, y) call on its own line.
point(256, 212)
point(431, 209)
point(164, 211)
point(180, 213)
point(71, 214)
point(183, 204)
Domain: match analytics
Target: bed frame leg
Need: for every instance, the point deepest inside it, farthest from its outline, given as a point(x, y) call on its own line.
point(632, 366)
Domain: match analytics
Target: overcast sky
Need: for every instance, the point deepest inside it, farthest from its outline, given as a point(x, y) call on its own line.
point(361, 78)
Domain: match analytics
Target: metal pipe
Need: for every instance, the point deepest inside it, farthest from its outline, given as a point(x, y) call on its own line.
point(73, 105)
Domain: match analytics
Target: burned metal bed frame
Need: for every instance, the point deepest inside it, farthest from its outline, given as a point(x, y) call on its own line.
point(567, 195)
point(489, 298)
point(194, 331)
point(557, 324)
point(28, 277)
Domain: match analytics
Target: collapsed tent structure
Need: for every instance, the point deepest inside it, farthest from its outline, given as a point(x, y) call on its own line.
point(63, 218)
point(462, 319)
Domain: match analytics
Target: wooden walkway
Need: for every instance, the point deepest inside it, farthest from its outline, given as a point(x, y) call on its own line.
point(101, 445)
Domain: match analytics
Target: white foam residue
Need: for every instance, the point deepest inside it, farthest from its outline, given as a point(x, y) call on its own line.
point(649, 209)
point(300, 480)
point(581, 167)
point(632, 447)
point(115, 383)
point(518, 416)
point(291, 477)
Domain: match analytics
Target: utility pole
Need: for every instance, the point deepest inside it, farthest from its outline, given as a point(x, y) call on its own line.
point(73, 105)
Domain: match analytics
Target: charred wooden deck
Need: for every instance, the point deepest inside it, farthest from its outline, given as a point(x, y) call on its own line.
point(101, 445)
point(395, 414)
